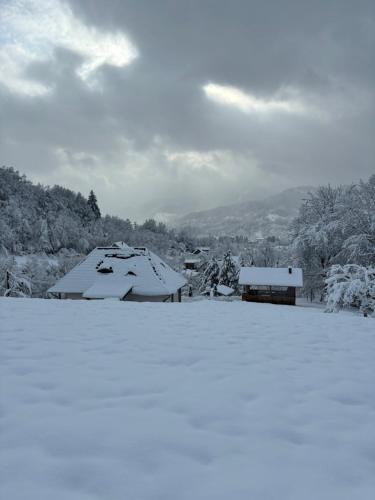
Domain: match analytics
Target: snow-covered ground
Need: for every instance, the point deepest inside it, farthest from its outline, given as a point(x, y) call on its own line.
point(205, 400)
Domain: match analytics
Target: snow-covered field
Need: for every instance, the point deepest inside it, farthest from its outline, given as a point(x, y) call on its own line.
point(205, 400)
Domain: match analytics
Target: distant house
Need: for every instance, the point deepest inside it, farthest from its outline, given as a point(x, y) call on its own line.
point(121, 272)
point(202, 250)
point(192, 263)
point(194, 260)
point(267, 284)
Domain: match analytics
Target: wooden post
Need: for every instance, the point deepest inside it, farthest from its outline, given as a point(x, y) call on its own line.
point(179, 294)
point(7, 280)
point(172, 298)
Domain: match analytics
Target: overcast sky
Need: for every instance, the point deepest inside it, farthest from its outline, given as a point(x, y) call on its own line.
point(170, 106)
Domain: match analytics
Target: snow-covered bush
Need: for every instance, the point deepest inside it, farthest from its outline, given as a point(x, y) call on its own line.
point(351, 285)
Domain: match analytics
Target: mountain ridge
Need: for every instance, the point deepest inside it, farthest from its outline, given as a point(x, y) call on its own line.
point(270, 216)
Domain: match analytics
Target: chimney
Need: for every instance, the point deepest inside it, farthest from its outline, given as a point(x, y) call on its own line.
point(290, 269)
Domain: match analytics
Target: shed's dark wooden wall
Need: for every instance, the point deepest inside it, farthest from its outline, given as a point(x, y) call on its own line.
point(287, 297)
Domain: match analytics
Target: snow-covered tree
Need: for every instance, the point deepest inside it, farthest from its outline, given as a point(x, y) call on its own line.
point(93, 204)
point(224, 272)
point(210, 276)
point(17, 285)
point(228, 272)
point(351, 286)
point(335, 226)
point(44, 239)
point(359, 224)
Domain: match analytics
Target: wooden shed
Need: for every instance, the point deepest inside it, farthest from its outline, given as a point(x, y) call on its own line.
point(274, 285)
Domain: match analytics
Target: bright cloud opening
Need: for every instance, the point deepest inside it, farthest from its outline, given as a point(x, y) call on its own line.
point(30, 30)
point(247, 103)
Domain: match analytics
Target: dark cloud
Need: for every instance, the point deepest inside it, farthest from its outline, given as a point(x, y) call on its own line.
point(132, 134)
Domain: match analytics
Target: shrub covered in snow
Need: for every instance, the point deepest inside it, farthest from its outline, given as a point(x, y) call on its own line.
point(351, 285)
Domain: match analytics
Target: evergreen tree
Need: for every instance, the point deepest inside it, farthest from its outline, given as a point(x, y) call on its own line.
point(150, 225)
point(228, 272)
point(93, 204)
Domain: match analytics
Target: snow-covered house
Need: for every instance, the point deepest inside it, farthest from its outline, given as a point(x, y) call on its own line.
point(202, 250)
point(195, 260)
point(121, 272)
point(192, 263)
point(276, 285)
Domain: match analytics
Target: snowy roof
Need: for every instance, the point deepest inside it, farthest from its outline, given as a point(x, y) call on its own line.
point(201, 250)
point(128, 269)
point(224, 290)
point(109, 286)
point(272, 276)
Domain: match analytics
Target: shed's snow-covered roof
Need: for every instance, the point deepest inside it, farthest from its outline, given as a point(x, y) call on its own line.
point(143, 270)
point(271, 276)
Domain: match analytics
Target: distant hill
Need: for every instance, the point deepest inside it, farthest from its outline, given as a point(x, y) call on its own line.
point(254, 219)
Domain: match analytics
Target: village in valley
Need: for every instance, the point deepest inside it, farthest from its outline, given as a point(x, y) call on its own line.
point(322, 254)
point(136, 274)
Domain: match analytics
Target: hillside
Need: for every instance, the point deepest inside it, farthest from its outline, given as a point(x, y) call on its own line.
point(255, 219)
point(36, 218)
point(206, 400)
